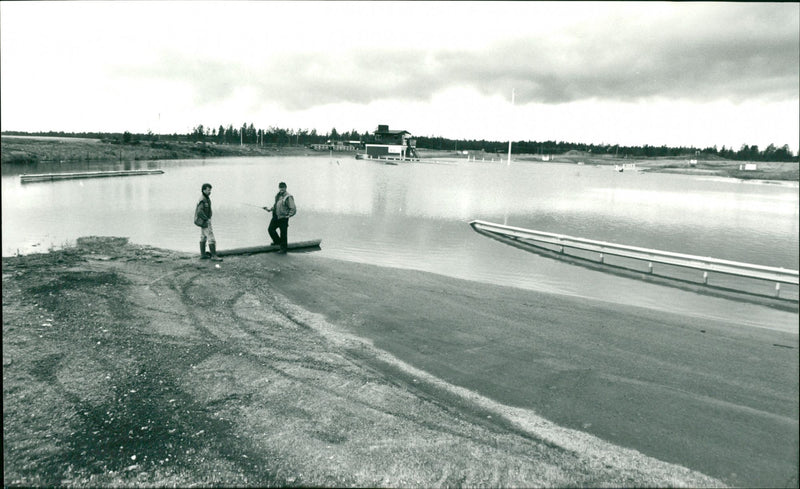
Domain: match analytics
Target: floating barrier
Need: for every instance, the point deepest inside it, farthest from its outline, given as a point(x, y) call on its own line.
point(47, 177)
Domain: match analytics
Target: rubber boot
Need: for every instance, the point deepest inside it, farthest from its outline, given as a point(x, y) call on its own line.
point(213, 248)
point(203, 255)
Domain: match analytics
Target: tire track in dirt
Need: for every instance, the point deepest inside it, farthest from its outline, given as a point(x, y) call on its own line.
point(364, 360)
point(135, 417)
point(625, 464)
point(209, 376)
point(190, 301)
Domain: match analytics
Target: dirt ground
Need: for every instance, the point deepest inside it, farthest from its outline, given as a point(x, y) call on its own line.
point(126, 365)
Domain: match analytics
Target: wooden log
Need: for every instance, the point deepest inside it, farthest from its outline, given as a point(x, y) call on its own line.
point(269, 248)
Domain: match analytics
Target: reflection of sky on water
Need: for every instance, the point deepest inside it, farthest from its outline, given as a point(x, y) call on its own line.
point(705, 202)
point(416, 215)
point(644, 209)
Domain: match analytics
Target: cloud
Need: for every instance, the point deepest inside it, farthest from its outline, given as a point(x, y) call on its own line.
point(606, 70)
point(737, 54)
point(629, 69)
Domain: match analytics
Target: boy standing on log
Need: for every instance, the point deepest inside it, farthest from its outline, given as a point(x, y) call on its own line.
point(282, 210)
point(202, 218)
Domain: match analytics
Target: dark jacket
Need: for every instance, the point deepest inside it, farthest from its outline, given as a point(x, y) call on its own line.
point(203, 210)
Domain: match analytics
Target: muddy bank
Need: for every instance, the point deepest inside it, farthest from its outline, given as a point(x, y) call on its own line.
point(127, 365)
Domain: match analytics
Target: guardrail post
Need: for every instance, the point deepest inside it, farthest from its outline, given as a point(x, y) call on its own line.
point(705, 278)
point(650, 268)
point(778, 289)
point(601, 258)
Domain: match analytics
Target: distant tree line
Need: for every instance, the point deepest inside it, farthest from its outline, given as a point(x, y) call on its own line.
point(749, 153)
point(275, 136)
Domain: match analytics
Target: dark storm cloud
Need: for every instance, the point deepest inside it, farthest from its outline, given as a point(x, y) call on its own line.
point(738, 53)
point(629, 67)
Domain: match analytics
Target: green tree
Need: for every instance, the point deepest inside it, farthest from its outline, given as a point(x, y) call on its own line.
point(198, 133)
point(783, 153)
point(769, 153)
point(251, 136)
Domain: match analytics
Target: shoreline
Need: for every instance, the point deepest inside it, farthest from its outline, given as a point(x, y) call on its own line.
point(21, 151)
point(302, 370)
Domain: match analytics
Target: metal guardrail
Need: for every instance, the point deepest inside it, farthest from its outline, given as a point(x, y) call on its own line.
point(706, 264)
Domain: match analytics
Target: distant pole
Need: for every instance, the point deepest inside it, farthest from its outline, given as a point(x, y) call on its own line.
point(509, 139)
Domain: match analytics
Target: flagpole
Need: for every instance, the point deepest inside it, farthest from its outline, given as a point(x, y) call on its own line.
point(509, 139)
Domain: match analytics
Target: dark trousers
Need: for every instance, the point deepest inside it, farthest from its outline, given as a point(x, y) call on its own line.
point(283, 225)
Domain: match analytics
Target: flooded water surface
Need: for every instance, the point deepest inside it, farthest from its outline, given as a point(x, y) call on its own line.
point(416, 216)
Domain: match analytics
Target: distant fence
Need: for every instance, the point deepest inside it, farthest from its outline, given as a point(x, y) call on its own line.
point(333, 147)
point(705, 264)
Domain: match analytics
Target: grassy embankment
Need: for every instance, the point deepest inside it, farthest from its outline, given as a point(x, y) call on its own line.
point(22, 151)
point(706, 165)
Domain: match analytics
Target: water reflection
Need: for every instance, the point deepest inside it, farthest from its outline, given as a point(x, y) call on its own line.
point(415, 216)
point(78, 166)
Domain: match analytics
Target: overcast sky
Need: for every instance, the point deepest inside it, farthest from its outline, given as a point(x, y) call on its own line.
point(693, 74)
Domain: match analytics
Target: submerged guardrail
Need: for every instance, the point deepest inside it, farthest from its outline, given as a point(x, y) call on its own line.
point(706, 264)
